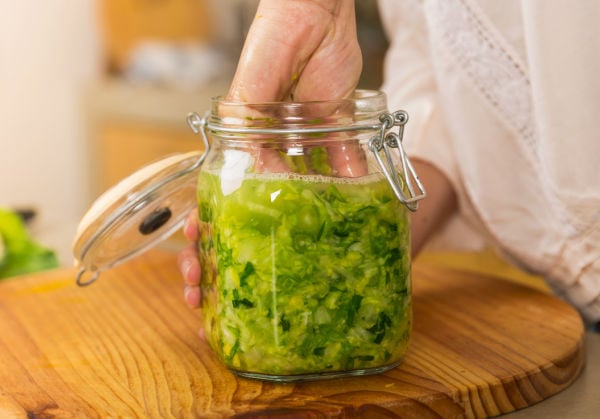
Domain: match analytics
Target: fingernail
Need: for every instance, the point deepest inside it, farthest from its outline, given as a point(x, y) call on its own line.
point(185, 267)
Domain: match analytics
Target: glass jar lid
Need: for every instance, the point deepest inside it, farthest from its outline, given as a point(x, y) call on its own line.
point(137, 213)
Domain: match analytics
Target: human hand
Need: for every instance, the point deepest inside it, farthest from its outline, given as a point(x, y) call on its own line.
point(188, 262)
point(305, 50)
point(302, 50)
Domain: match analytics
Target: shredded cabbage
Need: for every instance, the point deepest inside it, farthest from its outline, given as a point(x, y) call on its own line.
point(304, 274)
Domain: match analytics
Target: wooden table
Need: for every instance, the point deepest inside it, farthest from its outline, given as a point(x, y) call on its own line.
point(127, 346)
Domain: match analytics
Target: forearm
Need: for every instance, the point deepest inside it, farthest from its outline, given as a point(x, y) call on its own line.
point(436, 208)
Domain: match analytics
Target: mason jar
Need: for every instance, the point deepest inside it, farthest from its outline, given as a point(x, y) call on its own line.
point(304, 235)
point(304, 245)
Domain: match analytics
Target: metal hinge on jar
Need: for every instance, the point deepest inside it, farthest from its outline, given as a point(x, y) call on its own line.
point(403, 187)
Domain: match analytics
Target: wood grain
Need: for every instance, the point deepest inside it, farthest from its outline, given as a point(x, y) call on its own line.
point(127, 346)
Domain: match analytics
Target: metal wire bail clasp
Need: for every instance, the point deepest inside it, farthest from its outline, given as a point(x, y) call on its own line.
point(403, 186)
point(198, 124)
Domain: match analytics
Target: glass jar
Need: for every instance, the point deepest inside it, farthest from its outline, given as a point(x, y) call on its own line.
point(304, 246)
point(304, 233)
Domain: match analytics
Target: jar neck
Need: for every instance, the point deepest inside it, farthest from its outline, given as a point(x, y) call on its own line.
point(363, 107)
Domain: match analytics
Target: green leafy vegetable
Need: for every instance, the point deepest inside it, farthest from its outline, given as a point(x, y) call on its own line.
point(304, 274)
point(19, 253)
point(320, 161)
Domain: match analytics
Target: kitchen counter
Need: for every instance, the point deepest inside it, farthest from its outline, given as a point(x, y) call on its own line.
point(127, 346)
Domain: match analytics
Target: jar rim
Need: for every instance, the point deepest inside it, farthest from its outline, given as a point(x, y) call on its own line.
point(363, 105)
point(359, 95)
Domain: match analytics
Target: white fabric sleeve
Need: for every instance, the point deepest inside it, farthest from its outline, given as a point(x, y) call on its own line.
point(410, 84)
point(564, 67)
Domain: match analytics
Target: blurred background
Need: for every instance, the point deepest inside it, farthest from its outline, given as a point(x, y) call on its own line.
point(90, 90)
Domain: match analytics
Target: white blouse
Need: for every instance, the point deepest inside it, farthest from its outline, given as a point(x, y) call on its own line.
point(504, 97)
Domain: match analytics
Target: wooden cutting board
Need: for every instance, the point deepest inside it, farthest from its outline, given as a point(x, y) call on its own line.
point(127, 346)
